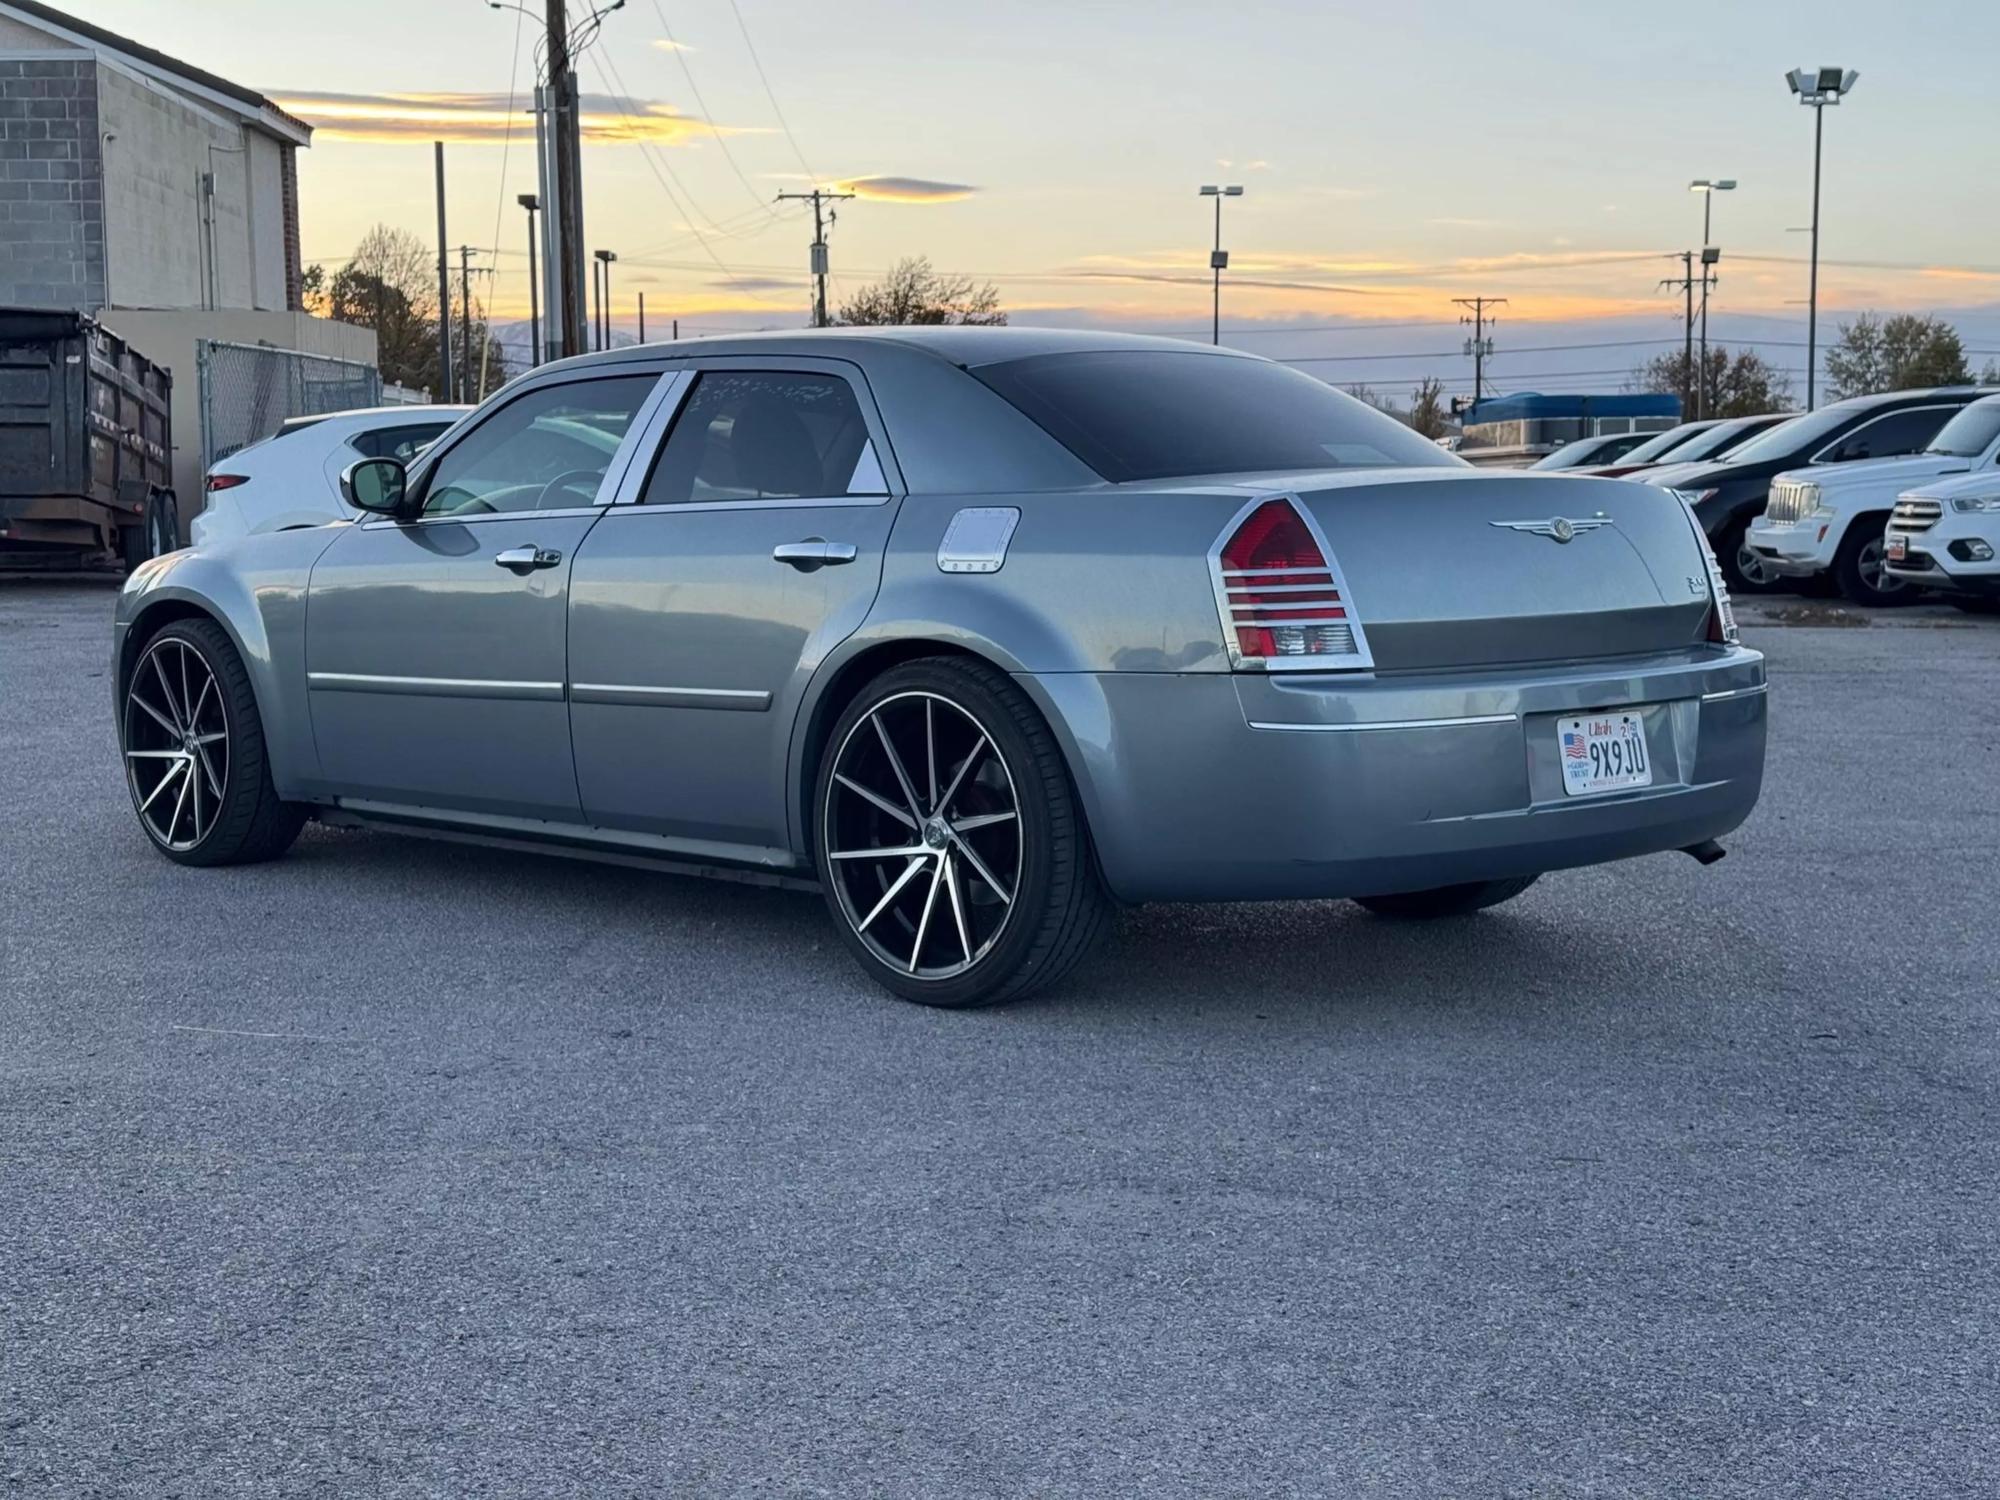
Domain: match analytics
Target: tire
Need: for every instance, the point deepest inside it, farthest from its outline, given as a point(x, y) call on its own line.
point(1016, 907)
point(1857, 566)
point(155, 536)
point(189, 698)
point(135, 544)
point(1732, 550)
point(1447, 900)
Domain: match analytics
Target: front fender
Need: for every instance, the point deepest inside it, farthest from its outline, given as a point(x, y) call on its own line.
point(255, 589)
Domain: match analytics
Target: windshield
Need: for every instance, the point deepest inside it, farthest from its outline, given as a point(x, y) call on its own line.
point(1720, 439)
point(1795, 436)
point(1148, 414)
point(1970, 433)
point(1665, 442)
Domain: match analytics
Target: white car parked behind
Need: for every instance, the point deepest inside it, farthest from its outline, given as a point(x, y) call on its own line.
point(1946, 536)
point(293, 477)
point(1829, 519)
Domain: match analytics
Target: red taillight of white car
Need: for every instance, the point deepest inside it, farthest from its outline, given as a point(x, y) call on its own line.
point(1283, 602)
point(225, 481)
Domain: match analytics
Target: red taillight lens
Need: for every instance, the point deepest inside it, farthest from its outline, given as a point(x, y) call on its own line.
point(226, 481)
point(1280, 597)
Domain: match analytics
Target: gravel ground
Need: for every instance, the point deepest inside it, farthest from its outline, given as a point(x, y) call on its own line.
point(397, 1168)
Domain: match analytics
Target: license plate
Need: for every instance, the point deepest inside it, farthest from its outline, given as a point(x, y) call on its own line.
point(1603, 752)
point(1899, 546)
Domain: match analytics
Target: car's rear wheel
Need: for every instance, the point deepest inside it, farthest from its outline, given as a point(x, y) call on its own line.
point(1743, 569)
point(195, 760)
point(1448, 900)
point(949, 839)
point(1860, 567)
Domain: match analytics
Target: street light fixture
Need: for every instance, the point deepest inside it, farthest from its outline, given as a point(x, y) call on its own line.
point(1218, 260)
point(1816, 88)
point(531, 202)
point(1708, 188)
point(602, 276)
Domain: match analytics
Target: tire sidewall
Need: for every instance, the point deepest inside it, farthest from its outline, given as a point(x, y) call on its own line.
point(972, 693)
point(239, 776)
point(1729, 542)
point(1847, 568)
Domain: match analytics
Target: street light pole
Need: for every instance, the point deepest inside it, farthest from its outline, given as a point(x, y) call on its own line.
point(531, 202)
point(1817, 88)
point(1218, 260)
point(604, 260)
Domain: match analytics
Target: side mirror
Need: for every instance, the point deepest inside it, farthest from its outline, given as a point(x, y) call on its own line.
point(375, 484)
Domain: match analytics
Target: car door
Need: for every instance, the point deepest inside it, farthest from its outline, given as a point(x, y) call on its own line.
point(704, 600)
point(435, 645)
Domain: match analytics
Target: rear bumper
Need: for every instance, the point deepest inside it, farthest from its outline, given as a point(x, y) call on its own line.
point(1220, 787)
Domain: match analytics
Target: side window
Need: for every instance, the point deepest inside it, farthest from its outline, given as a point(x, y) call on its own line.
point(766, 435)
point(396, 442)
point(547, 450)
point(1898, 432)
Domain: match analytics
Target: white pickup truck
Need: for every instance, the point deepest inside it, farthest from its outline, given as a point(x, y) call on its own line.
point(1829, 519)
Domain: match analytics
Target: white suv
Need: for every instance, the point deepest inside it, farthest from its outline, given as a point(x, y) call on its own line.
point(1829, 519)
point(292, 478)
point(1946, 536)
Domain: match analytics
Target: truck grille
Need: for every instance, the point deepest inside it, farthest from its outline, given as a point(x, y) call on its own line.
point(1915, 515)
point(1791, 499)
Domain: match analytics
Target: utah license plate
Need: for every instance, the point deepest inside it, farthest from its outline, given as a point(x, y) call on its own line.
point(1603, 752)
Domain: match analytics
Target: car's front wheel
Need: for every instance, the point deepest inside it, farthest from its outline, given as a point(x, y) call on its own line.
point(1448, 900)
point(1742, 569)
point(1860, 567)
point(949, 840)
point(194, 752)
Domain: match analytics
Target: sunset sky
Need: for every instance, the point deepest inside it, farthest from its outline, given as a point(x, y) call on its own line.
point(1393, 156)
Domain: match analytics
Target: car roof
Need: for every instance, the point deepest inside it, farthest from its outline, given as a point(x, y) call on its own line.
point(958, 344)
point(1914, 397)
point(414, 411)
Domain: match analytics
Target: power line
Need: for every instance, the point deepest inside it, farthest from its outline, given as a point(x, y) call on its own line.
point(722, 141)
point(764, 78)
point(506, 148)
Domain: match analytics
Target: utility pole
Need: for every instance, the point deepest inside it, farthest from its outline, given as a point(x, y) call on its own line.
point(530, 202)
point(563, 181)
point(642, 317)
point(464, 390)
point(818, 197)
point(1479, 346)
point(1686, 284)
point(604, 260)
point(444, 288)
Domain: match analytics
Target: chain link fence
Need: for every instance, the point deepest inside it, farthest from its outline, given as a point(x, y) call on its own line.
point(248, 391)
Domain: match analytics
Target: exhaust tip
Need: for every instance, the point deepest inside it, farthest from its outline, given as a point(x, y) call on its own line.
point(1707, 852)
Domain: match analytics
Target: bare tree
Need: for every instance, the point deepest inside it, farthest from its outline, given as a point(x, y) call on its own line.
point(1428, 413)
point(389, 284)
point(914, 293)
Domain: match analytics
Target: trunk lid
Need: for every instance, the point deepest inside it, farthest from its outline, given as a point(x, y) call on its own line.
point(1450, 569)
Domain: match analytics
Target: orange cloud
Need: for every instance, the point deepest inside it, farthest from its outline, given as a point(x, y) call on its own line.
point(905, 189)
point(474, 118)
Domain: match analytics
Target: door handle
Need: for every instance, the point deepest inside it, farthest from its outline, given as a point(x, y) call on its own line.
point(524, 560)
point(813, 553)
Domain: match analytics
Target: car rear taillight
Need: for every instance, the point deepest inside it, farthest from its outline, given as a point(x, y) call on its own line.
point(1284, 604)
point(226, 481)
point(1721, 613)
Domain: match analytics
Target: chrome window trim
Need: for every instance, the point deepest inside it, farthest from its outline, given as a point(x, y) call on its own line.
point(1743, 692)
point(435, 687)
point(803, 502)
point(1455, 722)
point(485, 518)
point(742, 700)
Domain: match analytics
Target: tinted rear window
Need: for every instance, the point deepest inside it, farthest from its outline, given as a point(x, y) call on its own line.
point(1151, 414)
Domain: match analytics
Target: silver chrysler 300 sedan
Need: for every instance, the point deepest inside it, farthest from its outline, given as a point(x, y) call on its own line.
point(978, 630)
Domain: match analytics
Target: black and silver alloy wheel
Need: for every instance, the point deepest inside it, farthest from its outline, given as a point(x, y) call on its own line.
point(195, 756)
point(176, 743)
point(949, 839)
point(924, 835)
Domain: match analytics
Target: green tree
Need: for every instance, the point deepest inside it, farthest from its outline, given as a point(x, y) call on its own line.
point(1428, 414)
point(914, 293)
point(1743, 384)
point(1905, 352)
point(389, 285)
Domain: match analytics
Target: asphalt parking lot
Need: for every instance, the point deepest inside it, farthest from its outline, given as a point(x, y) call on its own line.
point(398, 1168)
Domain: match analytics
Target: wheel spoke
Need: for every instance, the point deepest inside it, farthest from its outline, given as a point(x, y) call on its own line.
point(154, 754)
point(166, 779)
point(905, 851)
point(896, 765)
point(979, 866)
point(194, 804)
point(180, 802)
point(186, 696)
point(984, 820)
point(924, 922)
point(194, 716)
point(167, 692)
point(210, 739)
point(957, 905)
point(882, 802)
point(208, 766)
point(930, 754)
point(890, 895)
point(963, 766)
point(158, 718)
